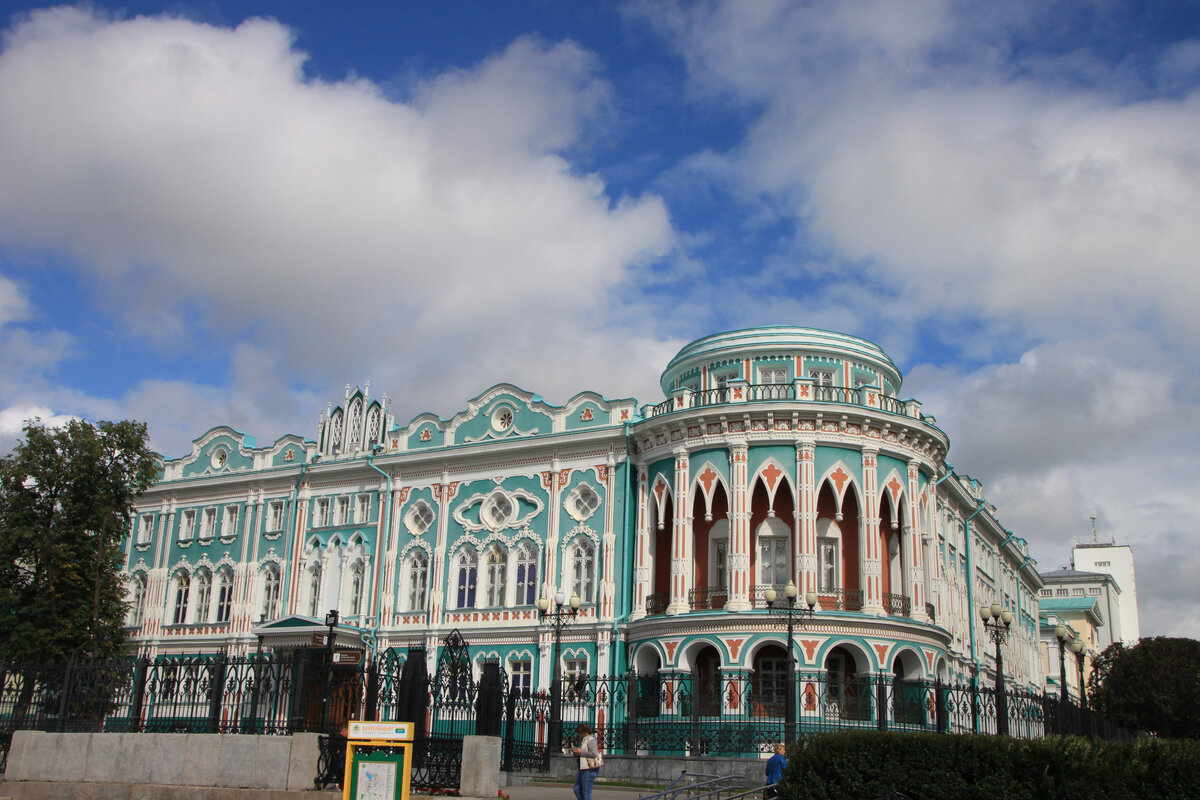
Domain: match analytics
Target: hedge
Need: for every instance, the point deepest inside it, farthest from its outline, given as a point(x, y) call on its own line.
point(867, 765)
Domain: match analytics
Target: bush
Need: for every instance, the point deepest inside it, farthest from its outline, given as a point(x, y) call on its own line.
point(866, 765)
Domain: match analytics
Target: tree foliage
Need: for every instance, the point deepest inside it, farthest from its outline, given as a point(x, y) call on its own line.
point(1153, 686)
point(66, 501)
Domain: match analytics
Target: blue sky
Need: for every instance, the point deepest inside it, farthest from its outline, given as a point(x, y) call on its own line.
point(221, 212)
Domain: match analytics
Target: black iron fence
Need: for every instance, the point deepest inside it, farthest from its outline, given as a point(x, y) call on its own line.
point(665, 713)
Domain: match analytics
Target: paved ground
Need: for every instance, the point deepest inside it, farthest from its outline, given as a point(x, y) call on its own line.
point(564, 791)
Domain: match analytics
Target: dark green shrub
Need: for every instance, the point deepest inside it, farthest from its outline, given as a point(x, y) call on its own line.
point(865, 765)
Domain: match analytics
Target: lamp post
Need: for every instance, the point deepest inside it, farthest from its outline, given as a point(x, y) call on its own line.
point(793, 614)
point(996, 620)
point(1064, 636)
point(1077, 649)
point(331, 619)
point(556, 620)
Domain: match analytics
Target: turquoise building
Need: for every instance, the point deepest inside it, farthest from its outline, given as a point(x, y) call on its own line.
point(779, 454)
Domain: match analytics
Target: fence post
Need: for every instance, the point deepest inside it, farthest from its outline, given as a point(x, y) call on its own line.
point(64, 697)
point(371, 706)
point(139, 694)
point(631, 712)
point(489, 702)
point(510, 729)
point(881, 707)
point(216, 692)
point(939, 700)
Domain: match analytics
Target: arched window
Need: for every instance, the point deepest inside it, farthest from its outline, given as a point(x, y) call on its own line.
point(468, 568)
point(583, 570)
point(314, 589)
point(183, 585)
point(224, 594)
point(270, 595)
point(137, 597)
point(829, 558)
point(418, 580)
point(356, 589)
point(203, 595)
point(774, 560)
point(497, 569)
point(526, 576)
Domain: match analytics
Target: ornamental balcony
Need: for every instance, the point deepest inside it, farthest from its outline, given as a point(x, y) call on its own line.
point(713, 598)
point(798, 391)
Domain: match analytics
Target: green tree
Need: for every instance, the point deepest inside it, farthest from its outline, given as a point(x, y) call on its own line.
point(66, 501)
point(1153, 686)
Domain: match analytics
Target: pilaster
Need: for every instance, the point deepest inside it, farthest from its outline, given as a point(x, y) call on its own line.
point(681, 538)
point(869, 546)
point(740, 579)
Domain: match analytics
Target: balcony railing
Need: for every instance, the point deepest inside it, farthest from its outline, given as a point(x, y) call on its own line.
point(657, 603)
point(931, 612)
point(714, 598)
point(897, 604)
point(841, 599)
point(806, 392)
point(708, 598)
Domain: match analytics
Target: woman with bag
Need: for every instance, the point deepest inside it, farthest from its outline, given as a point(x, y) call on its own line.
point(590, 762)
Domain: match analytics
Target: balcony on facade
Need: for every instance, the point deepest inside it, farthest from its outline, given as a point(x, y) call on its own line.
point(800, 390)
point(713, 598)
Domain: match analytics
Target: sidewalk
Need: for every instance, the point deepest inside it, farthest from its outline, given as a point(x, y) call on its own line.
point(546, 790)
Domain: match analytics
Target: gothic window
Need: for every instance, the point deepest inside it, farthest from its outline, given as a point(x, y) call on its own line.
point(774, 562)
point(183, 586)
point(343, 511)
point(418, 580)
point(336, 435)
point(498, 510)
point(497, 569)
point(314, 589)
point(582, 502)
point(356, 589)
point(521, 677)
point(419, 518)
point(203, 595)
point(583, 570)
point(275, 516)
point(354, 426)
point(526, 576)
point(574, 677)
point(224, 594)
point(827, 564)
point(373, 425)
point(468, 567)
point(145, 529)
point(362, 508)
point(270, 592)
point(187, 525)
point(137, 606)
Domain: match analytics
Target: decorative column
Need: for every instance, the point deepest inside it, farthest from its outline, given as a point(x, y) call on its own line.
point(868, 543)
point(740, 579)
point(608, 587)
point(641, 564)
point(806, 516)
point(552, 482)
point(914, 543)
point(681, 539)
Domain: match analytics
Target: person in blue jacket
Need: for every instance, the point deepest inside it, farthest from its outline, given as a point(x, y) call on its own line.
point(775, 767)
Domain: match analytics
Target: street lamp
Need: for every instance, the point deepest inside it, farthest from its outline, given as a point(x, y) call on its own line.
point(331, 619)
point(1077, 649)
point(996, 620)
point(1064, 636)
point(793, 613)
point(556, 620)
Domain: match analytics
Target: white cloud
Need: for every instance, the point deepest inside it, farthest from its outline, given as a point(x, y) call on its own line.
point(431, 245)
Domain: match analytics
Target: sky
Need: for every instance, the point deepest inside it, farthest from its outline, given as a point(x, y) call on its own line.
point(221, 212)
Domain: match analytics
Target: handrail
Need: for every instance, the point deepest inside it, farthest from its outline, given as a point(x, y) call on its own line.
point(780, 392)
point(672, 791)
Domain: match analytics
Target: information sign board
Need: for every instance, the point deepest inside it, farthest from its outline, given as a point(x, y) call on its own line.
point(378, 760)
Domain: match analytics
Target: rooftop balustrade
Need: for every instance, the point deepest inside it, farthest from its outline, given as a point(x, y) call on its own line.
point(800, 391)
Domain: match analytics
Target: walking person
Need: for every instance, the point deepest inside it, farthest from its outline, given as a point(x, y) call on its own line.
point(590, 762)
point(775, 767)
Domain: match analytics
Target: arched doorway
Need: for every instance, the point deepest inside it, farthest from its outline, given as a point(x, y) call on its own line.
point(847, 695)
point(909, 693)
point(768, 685)
point(706, 681)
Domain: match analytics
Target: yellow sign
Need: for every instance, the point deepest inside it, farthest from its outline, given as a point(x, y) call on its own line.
point(384, 769)
point(390, 731)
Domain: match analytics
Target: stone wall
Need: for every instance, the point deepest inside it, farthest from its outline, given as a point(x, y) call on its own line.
point(165, 759)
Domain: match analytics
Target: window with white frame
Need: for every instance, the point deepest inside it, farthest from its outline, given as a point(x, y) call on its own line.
point(418, 580)
point(574, 678)
point(526, 575)
point(183, 586)
point(145, 529)
point(356, 589)
point(224, 594)
point(827, 564)
point(230, 523)
point(343, 511)
point(203, 595)
point(774, 560)
point(137, 604)
point(275, 515)
point(314, 588)
point(419, 518)
point(583, 569)
point(187, 525)
point(362, 508)
point(824, 381)
point(270, 595)
point(520, 673)
point(496, 564)
point(208, 523)
point(582, 502)
point(772, 375)
point(321, 513)
point(468, 570)
point(498, 510)
point(718, 555)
